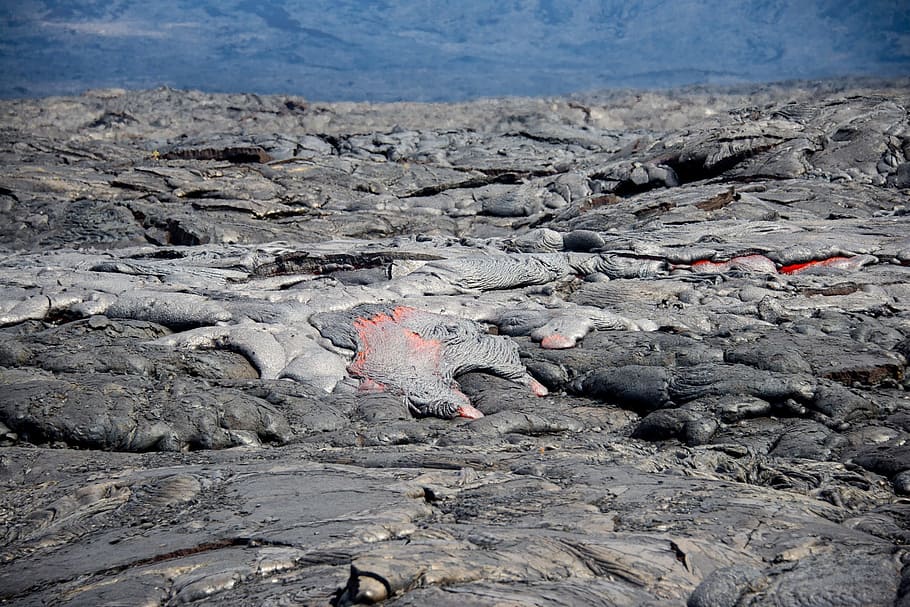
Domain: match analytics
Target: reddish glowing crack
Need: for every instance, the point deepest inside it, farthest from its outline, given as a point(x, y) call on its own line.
point(761, 264)
point(831, 262)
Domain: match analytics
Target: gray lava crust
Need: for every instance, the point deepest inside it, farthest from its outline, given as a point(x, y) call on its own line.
point(240, 335)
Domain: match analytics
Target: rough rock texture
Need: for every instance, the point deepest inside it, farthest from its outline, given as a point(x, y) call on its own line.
point(240, 335)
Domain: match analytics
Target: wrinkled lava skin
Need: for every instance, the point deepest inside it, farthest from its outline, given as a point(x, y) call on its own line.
point(418, 354)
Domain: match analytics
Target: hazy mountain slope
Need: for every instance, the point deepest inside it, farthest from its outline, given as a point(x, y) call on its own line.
point(326, 49)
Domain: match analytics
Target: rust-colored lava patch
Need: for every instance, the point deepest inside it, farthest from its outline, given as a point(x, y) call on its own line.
point(394, 357)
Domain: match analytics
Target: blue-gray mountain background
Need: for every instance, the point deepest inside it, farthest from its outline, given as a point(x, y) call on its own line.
point(441, 51)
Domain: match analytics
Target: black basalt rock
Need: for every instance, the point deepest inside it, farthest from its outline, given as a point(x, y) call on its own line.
point(230, 325)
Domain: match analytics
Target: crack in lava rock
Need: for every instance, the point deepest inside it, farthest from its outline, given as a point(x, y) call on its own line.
point(418, 354)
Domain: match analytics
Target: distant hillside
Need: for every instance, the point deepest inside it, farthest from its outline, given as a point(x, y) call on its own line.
point(437, 51)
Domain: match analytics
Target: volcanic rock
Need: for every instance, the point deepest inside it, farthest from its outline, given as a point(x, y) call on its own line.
point(260, 350)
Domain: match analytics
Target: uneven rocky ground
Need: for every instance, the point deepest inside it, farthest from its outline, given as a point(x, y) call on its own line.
point(621, 349)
